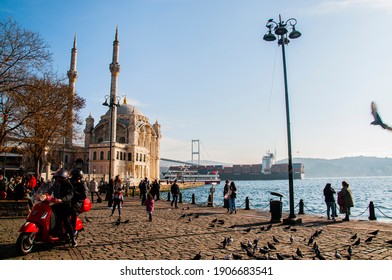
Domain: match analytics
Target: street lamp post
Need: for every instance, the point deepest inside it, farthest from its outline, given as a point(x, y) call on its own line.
point(281, 31)
point(113, 101)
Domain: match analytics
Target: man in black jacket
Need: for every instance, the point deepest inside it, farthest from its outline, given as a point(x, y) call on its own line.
point(62, 190)
point(80, 193)
point(175, 191)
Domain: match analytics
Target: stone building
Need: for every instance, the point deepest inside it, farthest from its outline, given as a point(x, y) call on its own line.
point(123, 135)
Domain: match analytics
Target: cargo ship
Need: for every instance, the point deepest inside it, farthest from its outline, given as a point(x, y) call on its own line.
point(267, 170)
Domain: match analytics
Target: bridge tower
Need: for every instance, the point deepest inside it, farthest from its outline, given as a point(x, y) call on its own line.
point(196, 150)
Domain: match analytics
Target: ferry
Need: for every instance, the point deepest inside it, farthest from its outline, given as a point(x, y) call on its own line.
point(185, 174)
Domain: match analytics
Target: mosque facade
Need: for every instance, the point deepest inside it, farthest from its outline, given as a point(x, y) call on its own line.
point(123, 142)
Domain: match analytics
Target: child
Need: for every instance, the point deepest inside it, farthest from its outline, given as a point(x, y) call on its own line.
point(149, 206)
point(118, 199)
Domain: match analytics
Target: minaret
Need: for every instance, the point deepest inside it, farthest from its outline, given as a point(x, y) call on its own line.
point(114, 70)
point(72, 75)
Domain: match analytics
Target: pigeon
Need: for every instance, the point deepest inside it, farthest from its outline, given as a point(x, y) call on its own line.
point(369, 239)
point(243, 245)
point(197, 256)
point(293, 229)
point(256, 241)
point(299, 253)
point(224, 243)
point(237, 257)
point(269, 227)
point(354, 236)
point(272, 247)
point(280, 256)
point(337, 255)
point(291, 239)
point(249, 253)
point(233, 226)
point(118, 222)
point(275, 239)
point(374, 233)
point(389, 242)
point(248, 229)
point(356, 243)
point(126, 222)
point(350, 250)
point(288, 227)
point(377, 118)
point(320, 257)
point(249, 244)
point(230, 240)
point(263, 250)
point(294, 257)
point(228, 257)
point(311, 239)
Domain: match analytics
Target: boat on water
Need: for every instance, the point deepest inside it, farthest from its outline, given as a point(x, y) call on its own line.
point(185, 174)
point(267, 170)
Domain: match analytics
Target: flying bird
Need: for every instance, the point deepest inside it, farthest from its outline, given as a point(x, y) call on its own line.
point(377, 118)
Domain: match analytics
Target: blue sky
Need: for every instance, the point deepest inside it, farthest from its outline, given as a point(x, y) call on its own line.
point(202, 69)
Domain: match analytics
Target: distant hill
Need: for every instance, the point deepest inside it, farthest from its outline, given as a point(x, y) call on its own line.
point(345, 167)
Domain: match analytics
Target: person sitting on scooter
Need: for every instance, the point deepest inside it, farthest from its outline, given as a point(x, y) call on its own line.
point(62, 189)
point(80, 193)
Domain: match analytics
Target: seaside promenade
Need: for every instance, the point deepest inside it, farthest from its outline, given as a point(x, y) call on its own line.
point(182, 233)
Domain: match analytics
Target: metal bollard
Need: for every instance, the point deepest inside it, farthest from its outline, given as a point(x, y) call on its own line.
point(247, 203)
point(180, 198)
point(301, 207)
point(168, 196)
point(193, 199)
point(372, 215)
point(209, 201)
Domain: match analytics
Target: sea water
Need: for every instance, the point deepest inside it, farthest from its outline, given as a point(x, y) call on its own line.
point(365, 190)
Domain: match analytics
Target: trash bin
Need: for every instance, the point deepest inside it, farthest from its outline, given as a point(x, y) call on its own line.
point(276, 208)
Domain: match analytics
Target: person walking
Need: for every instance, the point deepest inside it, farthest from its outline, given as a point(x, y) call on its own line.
point(143, 188)
point(330, 201)
point(233, 196)
point(226, 195)
point(93, 187)
point(175, 191)
point(155, 187)
point(109, 193)
point(150, 206)
point(118, 201)
point(346, 200)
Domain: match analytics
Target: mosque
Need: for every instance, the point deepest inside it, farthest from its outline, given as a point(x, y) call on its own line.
point(123, 142)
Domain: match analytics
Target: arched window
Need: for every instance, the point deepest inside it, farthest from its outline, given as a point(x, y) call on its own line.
point(94, 155)
point(101, 156)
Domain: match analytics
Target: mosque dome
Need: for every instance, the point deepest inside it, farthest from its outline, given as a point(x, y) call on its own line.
point(126, 109)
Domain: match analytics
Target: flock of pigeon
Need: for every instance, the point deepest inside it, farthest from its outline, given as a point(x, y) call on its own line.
point(270, 249)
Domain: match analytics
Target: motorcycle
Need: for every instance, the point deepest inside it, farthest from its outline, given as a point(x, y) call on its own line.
point(39, 225)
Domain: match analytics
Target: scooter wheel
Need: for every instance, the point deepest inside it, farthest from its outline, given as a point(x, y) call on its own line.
point(25, 242)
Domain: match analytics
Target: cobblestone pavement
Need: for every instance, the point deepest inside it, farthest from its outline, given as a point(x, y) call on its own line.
point(180, 234)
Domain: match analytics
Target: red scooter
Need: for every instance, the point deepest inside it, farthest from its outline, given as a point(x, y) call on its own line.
point(39, 223)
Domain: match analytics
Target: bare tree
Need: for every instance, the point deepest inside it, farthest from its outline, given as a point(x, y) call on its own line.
point(47, 127)
point(24, 57)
